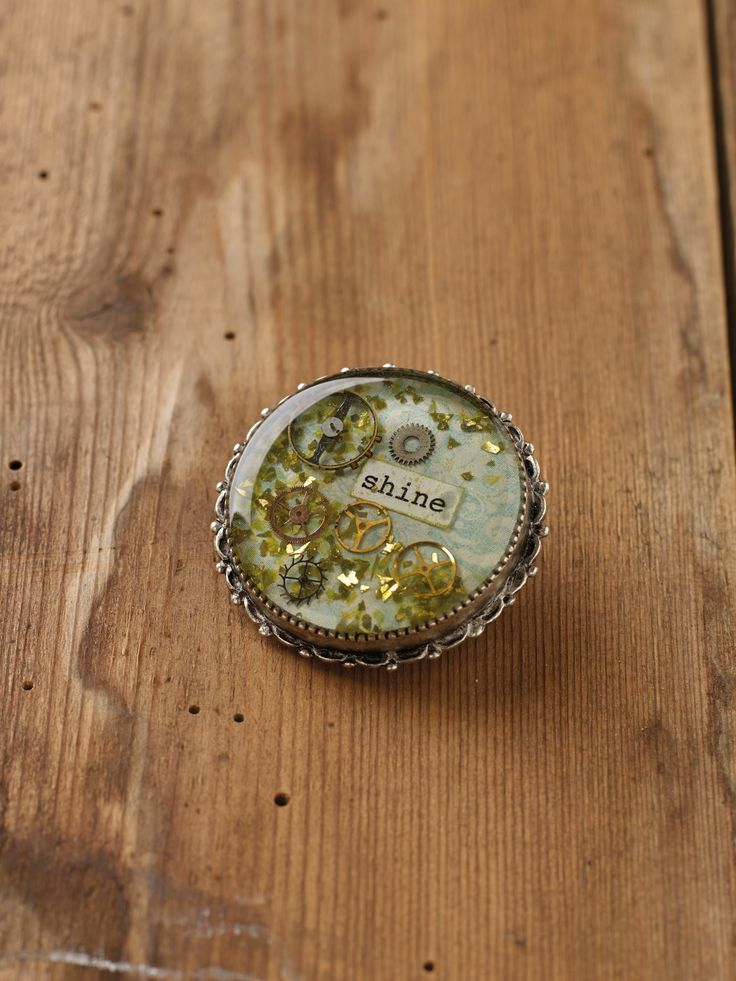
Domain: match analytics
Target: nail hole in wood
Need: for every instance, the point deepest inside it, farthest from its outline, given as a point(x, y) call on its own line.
point(281, 800)
point(95, 106)
point(194, 709)
point(15, 464)
point(428, 966)
point(15, 486)
point(27, 685)
point(238, 717)
point(43, 175)
point(230, 335)
point(157, 212)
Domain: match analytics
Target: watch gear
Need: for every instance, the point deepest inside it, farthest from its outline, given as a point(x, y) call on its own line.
point(302, 579)
point(411, 444)
point(335, 433)
point(299, 514)
point(425, 569)
point(360, 521)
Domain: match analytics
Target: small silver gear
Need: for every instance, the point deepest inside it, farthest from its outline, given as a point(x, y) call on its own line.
point(411, 444)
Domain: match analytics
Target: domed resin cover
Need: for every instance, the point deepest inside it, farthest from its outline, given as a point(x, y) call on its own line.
point(375, 509)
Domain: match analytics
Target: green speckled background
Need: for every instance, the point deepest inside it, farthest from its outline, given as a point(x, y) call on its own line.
point(470, 452)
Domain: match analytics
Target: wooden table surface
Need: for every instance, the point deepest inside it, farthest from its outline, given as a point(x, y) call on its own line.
point(204, 204)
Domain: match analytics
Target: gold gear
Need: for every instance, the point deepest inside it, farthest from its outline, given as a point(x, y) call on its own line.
point(433, 576)
point(351, 532)
point(299, 514)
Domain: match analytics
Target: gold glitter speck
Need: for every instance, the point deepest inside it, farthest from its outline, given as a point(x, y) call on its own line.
point(467, 475)
point(348, 579)
point(387, 587)
point(490, 447)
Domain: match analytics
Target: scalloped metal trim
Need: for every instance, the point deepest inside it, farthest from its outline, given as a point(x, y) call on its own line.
point(533, 506)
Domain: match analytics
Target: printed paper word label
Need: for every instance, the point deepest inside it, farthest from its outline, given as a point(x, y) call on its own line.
point(408, 492)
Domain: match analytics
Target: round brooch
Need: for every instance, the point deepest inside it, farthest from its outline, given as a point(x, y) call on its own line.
point(379, 515)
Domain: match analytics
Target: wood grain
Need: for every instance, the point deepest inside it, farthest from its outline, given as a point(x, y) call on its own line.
point(522, 196)
point(722, 47)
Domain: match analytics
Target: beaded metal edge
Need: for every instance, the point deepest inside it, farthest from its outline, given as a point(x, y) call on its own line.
point(432, 649)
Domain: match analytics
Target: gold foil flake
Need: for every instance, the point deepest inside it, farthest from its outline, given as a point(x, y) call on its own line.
point(364, 589)
point(490, 447)
point(411, 392)
point(241, 488)
point(310, 480)
point(391, 546)
point(264, 503)
point(472, 424)
point(268, 545)
point(290, 550)
point(467, 475)
point(239, 529)
point(239, 535)
point(442, 419)
point(493, 479)
point(388, 586)
point(452, 443)
point(348, 579)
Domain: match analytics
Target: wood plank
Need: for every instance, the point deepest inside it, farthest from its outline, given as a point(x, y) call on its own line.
point(519, 195)
point(722, 43)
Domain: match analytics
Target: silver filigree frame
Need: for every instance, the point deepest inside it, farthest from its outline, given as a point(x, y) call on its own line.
point(520, 570)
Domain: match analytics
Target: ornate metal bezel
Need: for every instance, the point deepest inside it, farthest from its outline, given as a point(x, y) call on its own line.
point(483, 608)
